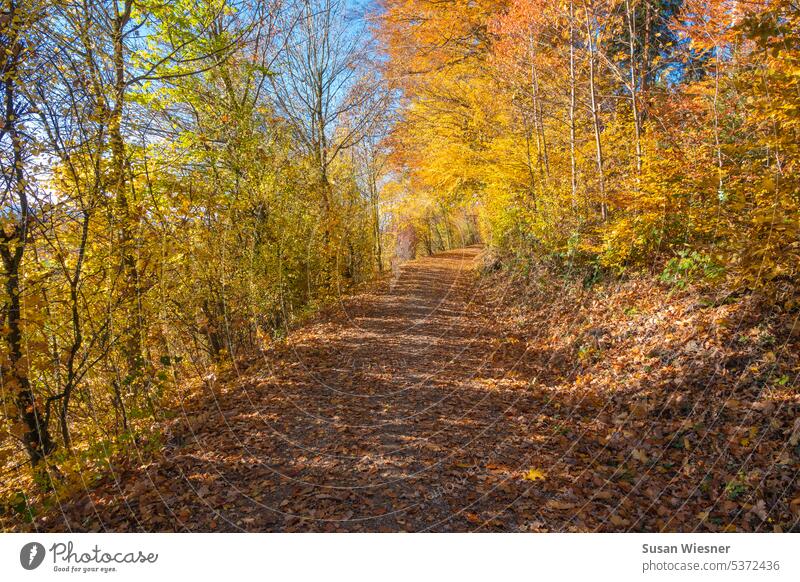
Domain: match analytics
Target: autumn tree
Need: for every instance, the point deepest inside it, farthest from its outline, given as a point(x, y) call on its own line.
point(18, 61)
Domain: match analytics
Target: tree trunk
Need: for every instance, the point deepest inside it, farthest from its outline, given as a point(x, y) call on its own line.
point(596, 117)
point(376, 218)
point(36, 437)
point(538, 116)
point(572, 160)
point(125, 216)
point(637, 130)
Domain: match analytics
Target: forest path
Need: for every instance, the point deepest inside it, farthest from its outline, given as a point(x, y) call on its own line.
point(394, 415)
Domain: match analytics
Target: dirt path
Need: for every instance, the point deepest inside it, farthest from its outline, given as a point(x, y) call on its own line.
point(438, 404)
point(390, 416)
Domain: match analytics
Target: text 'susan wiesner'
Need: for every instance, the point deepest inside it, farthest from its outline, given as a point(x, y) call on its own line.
point(684, 549)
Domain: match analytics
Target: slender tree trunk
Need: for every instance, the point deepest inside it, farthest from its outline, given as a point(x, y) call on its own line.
point(36, 437)
point(637, 130)
point(37, 440)
point(77, 333)
point(538, 116)
point(595, 115)
point(125, 215)
point(531, 173)
point(717, 146)
point(572, 161)
point(376, 218)
point(646, 62)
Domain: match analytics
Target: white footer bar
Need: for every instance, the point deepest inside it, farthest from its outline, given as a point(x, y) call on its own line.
point(402, 557)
